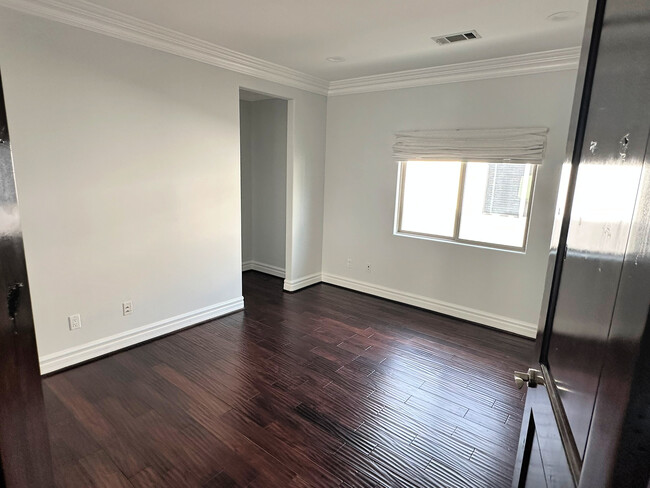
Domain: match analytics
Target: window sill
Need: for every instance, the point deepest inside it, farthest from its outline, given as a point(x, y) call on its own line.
point(491, 247)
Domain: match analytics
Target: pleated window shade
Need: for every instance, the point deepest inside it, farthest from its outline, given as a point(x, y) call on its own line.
point(517, 145)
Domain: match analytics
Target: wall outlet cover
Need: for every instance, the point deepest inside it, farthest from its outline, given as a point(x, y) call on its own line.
point(74, 321)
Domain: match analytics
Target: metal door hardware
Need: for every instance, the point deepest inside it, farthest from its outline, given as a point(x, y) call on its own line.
point(533, 377)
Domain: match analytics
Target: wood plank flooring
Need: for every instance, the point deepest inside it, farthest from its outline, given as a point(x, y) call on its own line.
point(321, 388)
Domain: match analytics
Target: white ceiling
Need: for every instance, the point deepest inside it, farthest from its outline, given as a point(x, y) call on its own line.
point(375, 36)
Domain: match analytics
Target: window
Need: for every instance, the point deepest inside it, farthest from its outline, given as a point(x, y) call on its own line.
point(468, 185)
point(470, 202)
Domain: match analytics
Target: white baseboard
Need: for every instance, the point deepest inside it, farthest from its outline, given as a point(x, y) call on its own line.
point(91, 350)
point(263, 268)
point(297, 284)
point(501, 322)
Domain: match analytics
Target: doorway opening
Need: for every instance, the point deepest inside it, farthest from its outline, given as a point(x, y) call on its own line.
point(263, 145)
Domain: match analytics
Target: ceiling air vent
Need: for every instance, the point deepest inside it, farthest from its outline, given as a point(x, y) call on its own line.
point(461, 36)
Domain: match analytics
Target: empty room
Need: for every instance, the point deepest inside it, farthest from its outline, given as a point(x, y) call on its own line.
point(369, 243)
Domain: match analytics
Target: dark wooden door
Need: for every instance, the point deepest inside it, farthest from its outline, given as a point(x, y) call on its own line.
point(580, 385)
point(24, 444)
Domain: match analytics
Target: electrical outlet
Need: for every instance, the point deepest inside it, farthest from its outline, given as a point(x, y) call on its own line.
point(127, 308)
point(349, 263)
point(368, 268)
point(74, 321)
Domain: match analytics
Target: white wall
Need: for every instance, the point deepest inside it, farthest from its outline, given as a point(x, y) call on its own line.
point(264, 183)
point(245, 134)
point(497, 288)
point(128, 174)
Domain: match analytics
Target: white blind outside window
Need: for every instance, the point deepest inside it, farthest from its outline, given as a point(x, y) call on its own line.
point(503, 195)
point(518, 145)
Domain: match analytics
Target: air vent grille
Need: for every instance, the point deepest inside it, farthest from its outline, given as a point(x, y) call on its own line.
point(460, 36)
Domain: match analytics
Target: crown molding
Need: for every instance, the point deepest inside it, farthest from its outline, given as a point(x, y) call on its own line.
point(522, 64)
point(88, 16)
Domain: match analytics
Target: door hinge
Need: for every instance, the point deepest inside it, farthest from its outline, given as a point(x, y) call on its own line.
point(533, 378)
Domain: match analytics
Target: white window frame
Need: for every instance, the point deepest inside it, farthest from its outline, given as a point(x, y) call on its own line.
point(398, 231)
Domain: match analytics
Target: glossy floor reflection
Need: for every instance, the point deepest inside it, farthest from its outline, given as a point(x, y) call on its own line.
point(321, 388)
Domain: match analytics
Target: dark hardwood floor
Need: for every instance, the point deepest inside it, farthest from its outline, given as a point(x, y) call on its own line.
point(321, 388)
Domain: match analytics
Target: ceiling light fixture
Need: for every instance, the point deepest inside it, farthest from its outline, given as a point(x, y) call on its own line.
point(335, 59)
point(562, 16)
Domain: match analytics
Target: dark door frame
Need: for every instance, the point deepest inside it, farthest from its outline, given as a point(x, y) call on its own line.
point(25, 460)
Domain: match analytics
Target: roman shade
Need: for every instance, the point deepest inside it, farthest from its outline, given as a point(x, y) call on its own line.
point(517, 145)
